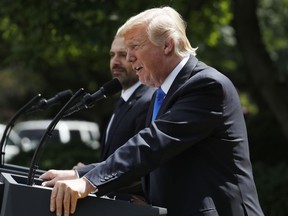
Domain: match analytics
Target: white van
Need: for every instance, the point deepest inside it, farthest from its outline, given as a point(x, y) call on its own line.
point(13, 144)
point(66, 131)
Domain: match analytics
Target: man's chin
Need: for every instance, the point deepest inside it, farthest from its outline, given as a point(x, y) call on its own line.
point(146, 82)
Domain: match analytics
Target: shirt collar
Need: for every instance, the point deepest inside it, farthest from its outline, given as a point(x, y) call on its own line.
point(169, 80)
point(126, 94)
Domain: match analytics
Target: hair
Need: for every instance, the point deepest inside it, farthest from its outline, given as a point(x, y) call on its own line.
point(161, 23)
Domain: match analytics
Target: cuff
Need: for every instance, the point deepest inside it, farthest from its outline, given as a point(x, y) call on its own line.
point(96, 189)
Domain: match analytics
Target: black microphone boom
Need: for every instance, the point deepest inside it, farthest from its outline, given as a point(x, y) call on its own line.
point(108, 89)
point(59, 98)
point(48, 134)
point(11, 123)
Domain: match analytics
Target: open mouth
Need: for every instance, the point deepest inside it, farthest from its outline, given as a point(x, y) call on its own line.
point(137, 69)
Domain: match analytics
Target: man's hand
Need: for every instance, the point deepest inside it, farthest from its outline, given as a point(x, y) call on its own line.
point(66, 193)
point(78, 165)
point(52, 176)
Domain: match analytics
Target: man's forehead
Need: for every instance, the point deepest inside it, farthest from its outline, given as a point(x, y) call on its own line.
point(135, 32)
point(134, 38)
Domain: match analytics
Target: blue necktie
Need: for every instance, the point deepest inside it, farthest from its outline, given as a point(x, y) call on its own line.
point(119, 104)
point(160, 95)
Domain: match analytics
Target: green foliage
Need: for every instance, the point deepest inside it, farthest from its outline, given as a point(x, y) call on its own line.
point(249, 107)
point(66, 43)
point(48, 46)
point(272, 188)
point(264, 133)
point(273, 15)
point(59, 156)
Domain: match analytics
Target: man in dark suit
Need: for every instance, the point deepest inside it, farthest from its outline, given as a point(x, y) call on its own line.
point(130, 113)
point(194, 155)
point(135, 100)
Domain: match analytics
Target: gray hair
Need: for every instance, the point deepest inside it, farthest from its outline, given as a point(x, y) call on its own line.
point(161, 23)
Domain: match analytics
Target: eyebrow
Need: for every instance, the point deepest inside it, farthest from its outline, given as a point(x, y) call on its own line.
point(136, 42)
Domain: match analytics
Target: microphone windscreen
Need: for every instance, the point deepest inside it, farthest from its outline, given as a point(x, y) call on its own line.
point(63, 96)
point(112, 87)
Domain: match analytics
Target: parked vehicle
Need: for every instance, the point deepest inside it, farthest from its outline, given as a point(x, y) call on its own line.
point(66, 131)
point(13, 145)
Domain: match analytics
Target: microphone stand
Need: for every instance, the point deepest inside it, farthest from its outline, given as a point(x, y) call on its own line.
point(11, 123)
point(48, 134)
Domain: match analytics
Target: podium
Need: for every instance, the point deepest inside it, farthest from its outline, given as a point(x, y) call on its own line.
point(19, 170)
point(22, 199)
point(14, 169)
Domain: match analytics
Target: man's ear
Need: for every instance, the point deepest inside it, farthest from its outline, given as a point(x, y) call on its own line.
point(168, 46)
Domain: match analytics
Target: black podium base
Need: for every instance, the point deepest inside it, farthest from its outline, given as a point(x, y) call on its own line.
point(22, 199)
point(14, 169)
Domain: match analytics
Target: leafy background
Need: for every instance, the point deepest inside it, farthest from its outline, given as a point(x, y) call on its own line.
point(49, 46)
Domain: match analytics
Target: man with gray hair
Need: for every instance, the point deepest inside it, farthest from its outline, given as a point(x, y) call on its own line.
point(193, 155)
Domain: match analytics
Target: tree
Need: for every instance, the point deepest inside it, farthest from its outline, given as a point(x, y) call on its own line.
point(47, 46)
point(65, 44)
point(262, 69)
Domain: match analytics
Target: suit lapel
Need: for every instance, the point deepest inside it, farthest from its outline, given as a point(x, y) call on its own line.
point(150, 111)
point(186, 72)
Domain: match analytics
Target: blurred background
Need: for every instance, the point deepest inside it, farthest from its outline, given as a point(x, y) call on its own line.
point(49, 46)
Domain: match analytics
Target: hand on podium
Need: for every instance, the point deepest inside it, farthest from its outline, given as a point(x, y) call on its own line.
point(67, 189)
point(79, 164)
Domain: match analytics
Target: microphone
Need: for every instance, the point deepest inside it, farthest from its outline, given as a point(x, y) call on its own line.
point(110, 88)
point(59, 98)
point(48, 134)
point(11, 122)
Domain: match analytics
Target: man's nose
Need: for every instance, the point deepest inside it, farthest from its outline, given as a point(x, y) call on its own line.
point(115, 60)
point(130, 57)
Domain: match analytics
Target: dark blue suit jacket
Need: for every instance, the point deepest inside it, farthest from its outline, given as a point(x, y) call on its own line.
point(128, 122)
point(194, 156)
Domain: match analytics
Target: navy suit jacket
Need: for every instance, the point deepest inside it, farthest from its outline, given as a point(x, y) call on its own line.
point(194, 158)
point(128, 122)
